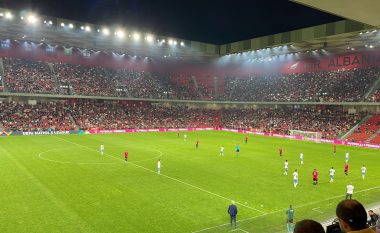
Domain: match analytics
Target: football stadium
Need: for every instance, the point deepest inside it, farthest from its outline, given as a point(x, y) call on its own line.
point(113, 129)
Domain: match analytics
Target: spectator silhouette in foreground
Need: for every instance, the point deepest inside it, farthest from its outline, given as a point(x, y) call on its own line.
point(308, 226)
point(352, 217)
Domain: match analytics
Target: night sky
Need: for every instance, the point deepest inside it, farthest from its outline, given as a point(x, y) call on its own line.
point(212, 21)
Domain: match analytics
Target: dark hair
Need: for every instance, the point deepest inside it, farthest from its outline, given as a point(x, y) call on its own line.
point(308, 226)
point(353, 213)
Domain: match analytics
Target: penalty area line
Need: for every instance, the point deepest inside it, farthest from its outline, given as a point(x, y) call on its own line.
point(169, 177)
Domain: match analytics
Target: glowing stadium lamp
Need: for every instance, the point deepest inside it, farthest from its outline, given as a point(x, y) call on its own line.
point(119, 34)
point(136, 36)
point(8, 15)
point(87, 28)
point(32, 19)
point(71, 26)
point(175, 42)
point(106, 31)
point(170, 42)
point(182, 43)
point(62, 24)
point(50, 22)
point(1, 14)
point(82, 27)
point(149, 38)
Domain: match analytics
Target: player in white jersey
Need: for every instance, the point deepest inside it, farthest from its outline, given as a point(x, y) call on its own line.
point(364, 171)
point(286, 167)
point(221, 151)
point(159, 167)
point(347, 155)
point(301, 158)
point(102, 149)
point(185, 137)
point(295, 178)
point(332, 174)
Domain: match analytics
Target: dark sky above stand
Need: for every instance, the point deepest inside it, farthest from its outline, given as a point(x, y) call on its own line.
point(212, 21)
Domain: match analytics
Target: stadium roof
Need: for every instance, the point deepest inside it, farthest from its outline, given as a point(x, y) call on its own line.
point(336, 37)
point(215, 22)
point(364, 11)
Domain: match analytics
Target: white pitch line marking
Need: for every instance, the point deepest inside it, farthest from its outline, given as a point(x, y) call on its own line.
point(169, 177)
point(316, 210)
point(239, 229)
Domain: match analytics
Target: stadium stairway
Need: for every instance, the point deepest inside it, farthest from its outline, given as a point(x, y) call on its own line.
point(367, 129)
point(196, 87)
point(352, 130)
point(216, 91)
point(233, 89)
point(375, 138)
point(373, 89)
point(73, 120)
point(56, 80)
point(1, 72)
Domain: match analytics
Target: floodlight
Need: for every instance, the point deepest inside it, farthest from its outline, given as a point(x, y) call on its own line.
point(149, 38)
point(106, 31)
point(50, 22)
point(170, 42)
point(62, 24)
point(1, 14)
point(8, 15)
point(119, 33)
point(182, 43)
point(71, 26)
point(82, 27)
point(175, 42)
point(87, 29)
point(136, 36)
point(32, 19)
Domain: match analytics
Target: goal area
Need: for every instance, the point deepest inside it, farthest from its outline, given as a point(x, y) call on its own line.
point(307, 135)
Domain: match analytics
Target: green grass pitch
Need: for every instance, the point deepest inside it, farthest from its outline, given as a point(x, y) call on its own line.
point(62, 184)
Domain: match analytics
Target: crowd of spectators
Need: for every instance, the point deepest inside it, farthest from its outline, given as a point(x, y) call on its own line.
point(330, 122)
point(328, 86)
point(40, 117)
point(117, 115)
point(28, 76)
point(113, 115)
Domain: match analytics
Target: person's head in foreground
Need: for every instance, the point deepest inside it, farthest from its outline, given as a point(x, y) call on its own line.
point(352, 216)
point(308, 226)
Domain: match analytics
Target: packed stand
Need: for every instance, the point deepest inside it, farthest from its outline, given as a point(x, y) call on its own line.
point(328, 86)
point(118, 115)
point(331, 123)
point(40, 117)
point(105, 115)
point(184, 88)
point(27, 76)
point(82, 80)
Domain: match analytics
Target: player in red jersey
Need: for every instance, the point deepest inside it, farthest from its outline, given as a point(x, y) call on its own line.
point(126, 156)
point(197, 144)
point(246, 139)
point(280, 151)
point(315, 177)
point(346, 169)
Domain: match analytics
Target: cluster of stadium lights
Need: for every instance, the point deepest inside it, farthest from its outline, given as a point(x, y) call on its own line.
point(119, 33)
